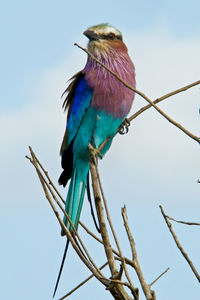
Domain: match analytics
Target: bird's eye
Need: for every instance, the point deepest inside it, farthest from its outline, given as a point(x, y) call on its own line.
point(111, 35)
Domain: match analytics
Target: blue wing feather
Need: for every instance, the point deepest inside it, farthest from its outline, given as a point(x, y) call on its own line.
point(82, 98)
point(78, 100)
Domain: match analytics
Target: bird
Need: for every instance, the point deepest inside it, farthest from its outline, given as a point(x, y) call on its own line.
point(97, 104)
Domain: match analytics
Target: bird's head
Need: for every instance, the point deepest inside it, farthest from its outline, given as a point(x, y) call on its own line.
point(102, 37)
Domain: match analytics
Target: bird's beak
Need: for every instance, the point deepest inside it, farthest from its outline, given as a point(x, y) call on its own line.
point(91, 35)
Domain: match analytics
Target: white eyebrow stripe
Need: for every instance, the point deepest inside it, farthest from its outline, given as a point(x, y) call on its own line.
point(105, 30)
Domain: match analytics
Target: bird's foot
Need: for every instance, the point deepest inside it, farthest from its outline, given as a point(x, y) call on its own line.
point(95, 151)
point(124, 127)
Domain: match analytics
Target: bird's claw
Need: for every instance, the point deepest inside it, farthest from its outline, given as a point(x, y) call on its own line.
point(124, 127)
point(95, 151)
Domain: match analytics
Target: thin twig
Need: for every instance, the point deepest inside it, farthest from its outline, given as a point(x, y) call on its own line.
point(187, 132)
point(50, 181)
point(183, 222)
point(127, 260)
point(116, 290)
point(119, 282)
point(104, 143)
point(159, 277)
point(45, 186)
point(113, 232)
point(141, 110)
point(146, 289)
point(82, 283)
point(99, 208)
point(179, 245)
point(64, 212)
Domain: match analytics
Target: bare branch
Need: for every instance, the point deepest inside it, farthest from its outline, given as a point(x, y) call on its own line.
point(113, 232)
point(82, 283)
point(103, 144)
point(116, 290)
point(65, 213)
point(127, 260)
point(118, 282)
point(187, 132)
point(141, 110)
point(99, 208)
point(159, 277)
point(45, 186)
point(47, 175)
point(146, 288)
point(179, 245)
point(183, 222)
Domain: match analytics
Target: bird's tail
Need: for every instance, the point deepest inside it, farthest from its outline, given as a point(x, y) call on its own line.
point(61, 267)
point(73, 208)
point(74, 201)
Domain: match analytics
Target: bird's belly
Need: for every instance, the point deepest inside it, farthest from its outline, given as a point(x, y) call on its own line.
point(95, 128)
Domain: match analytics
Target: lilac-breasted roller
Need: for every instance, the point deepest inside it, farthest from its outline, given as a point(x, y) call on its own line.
point(97, 105)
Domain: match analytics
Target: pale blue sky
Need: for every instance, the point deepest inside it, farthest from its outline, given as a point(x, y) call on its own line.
point(35, 35)
point(154, 164)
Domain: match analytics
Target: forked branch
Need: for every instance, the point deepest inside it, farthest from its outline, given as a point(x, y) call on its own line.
point(178, 244)
point(116, 289)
